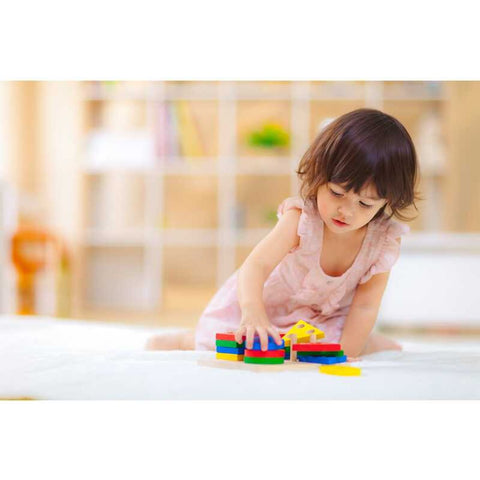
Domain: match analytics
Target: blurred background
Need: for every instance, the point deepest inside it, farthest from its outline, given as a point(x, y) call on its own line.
point(132, 202)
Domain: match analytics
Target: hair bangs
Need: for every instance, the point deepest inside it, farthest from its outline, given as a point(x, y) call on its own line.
point(363, 148)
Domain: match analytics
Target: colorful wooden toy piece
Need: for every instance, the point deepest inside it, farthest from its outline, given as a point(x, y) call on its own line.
point(317, 347)
point(304, 332)
point(343, 370)
point(237, 351)
point(229, 343)
point(227, 336)
point(266, 354)
point(264, 360)
point(272, 345)
point(325, 360)
point(229, 356)
point(340, 353)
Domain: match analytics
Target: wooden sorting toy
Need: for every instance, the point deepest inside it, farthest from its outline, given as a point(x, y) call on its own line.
point(320, 359)
point(229, 343)
point(266, 354)
point(229, 356)
point(264, 360)
point(227, 336)
point(238, 351)
point(227, 348)
point(339, 353)
point(317, 347)
point(274, 355)
point(272, 345)
point(342, 370)
point(304, 332)
point(300, 343)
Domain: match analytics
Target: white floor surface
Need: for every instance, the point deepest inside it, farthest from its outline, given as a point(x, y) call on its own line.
point(45, 358)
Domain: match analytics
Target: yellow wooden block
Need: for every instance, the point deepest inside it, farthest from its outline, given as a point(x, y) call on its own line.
point(343, 370)
point(232, 357)
point(303, 331)
point(318, 336)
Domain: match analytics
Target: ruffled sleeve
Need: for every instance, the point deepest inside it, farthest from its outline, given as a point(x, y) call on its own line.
point(289, 203)
point(306, 222)
point(389, 250)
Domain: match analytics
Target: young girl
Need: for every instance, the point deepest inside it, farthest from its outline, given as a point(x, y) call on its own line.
point(328, 258)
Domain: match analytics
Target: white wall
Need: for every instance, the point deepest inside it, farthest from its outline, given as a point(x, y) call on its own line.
point(435, 281)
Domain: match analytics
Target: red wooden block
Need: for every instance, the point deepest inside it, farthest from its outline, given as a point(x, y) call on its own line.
point(227, 336)
point(266, 354)
point(316, 347)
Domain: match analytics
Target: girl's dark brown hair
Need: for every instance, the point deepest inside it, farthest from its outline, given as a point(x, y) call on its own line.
point(363, 146)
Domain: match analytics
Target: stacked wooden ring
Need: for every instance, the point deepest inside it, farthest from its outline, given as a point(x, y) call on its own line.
point(325, 353)
point(275, 354)
point(228, 348)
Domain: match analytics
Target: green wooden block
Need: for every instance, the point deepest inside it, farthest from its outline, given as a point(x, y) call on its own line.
point(264, 360)
point(229, 344)
point(338, 353)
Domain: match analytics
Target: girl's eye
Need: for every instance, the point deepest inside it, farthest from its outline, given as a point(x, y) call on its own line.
point(364, 205)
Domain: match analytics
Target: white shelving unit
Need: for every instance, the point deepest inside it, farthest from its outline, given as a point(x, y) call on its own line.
point(225, 168)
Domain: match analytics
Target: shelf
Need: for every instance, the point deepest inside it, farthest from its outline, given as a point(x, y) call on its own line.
point(204, 166)
point(203, 214)
point(132, 238)
point(179, 236)
point(265, 90)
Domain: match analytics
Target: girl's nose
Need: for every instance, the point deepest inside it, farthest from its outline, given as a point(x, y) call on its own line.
point(345, 212)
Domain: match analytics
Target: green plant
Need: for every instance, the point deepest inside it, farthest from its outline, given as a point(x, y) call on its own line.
point(270, 136)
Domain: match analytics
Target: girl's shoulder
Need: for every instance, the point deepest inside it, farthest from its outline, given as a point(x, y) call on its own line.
point(289, 203)
point(388, 228)
point(297, 202)
point(383, 245)
point(308, 221)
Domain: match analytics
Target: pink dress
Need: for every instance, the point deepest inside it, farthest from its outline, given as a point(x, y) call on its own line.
point(298, 289)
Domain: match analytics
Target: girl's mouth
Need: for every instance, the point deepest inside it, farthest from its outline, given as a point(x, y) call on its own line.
point(339, 223)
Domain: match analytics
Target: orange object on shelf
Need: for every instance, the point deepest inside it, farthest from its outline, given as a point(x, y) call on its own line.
point(32, 250)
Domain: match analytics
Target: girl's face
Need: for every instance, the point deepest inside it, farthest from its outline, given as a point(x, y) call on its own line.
point(335, 203)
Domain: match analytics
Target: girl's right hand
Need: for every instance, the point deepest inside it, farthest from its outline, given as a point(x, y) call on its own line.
point(255, 322)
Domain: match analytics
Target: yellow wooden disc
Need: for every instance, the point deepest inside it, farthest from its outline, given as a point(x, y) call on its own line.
point(233, 357)
point(344, 370)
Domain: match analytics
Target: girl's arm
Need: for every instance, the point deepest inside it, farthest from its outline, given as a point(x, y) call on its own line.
point(362, 315)
point(254, 272)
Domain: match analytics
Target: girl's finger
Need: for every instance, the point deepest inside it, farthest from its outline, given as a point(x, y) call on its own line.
point(250, 335)
point(262, 333)
point(239, 334)
point(275, 335)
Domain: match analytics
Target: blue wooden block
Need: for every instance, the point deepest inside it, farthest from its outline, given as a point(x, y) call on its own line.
point(271, 344)
point(234, 350)
point(323, 360)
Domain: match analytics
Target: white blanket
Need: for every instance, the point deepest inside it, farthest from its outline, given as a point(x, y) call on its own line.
point(46, 358)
